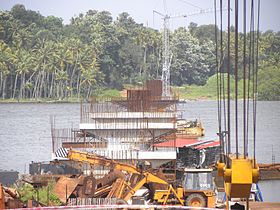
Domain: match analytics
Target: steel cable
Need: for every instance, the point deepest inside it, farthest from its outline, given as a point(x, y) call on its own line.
point(256, 81)
point(236, 76)
point(222, 76)
point(228, 78)
point(218, 81)
point(250, 66)
point(244, 80)
point(253, 67)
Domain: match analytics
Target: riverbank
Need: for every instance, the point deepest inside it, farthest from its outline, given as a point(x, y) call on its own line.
point(77, 100)
point(50, 101)
point(206, 92)
point(36, 101)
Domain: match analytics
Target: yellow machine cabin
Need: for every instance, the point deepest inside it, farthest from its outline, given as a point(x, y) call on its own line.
point(197, 190)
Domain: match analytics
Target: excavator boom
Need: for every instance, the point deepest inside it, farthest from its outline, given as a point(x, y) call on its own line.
point(146, 177)
point(93, 159)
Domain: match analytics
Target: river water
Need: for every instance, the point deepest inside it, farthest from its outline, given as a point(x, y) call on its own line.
point(25, 132)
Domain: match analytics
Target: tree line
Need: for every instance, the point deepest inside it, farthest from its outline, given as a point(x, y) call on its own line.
point(40, 57)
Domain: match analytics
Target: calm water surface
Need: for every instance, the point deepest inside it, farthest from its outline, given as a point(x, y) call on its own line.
point(25, 132)
point(268, 125)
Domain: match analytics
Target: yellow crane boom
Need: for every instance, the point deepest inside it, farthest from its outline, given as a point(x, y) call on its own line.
point(94, 159)
point(146, 177)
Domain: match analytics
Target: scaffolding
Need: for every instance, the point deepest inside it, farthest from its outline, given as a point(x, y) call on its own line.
point(119, 128)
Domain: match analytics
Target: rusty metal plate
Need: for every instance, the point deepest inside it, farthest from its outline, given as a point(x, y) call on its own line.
point(89, 186)
point(109, 178)
point(63, 185)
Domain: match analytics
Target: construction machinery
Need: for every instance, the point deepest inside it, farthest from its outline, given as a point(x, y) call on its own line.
point(191, 128)
point(238, 170)
point(239, 174)
point(167, 54)
point(9, 198)
point(197, 187)
point(123, 187)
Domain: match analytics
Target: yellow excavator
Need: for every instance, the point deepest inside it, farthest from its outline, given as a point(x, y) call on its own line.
point(127, 188)
point(137, 176)
point(197, 189)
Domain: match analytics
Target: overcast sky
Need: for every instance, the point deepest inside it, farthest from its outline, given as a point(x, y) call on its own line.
point(142, 10)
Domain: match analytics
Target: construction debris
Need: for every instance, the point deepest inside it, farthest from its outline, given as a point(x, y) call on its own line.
point(65, 187)
point(9, 198)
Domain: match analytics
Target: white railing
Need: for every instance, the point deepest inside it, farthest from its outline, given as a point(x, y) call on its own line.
point(128, 125)
point(91, 201)
point(126, 115)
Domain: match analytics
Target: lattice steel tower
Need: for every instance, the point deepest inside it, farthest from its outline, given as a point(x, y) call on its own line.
point(165, 77)
point(167, 55)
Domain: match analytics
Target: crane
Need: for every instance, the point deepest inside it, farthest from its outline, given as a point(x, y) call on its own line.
point(125, 189)
point(167, 55)
point(238, 170)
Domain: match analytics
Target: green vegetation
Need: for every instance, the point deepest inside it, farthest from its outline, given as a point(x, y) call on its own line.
point(27, 192)
point(41, 59)
point(98, 94)
point(107, 93)
point(269, 85)
point(209, 90)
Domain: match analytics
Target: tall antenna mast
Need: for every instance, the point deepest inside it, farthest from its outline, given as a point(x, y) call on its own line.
point(165, 76)
point(167, 55)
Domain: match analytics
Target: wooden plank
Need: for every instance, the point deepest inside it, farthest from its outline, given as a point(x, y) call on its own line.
point(265, 205)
